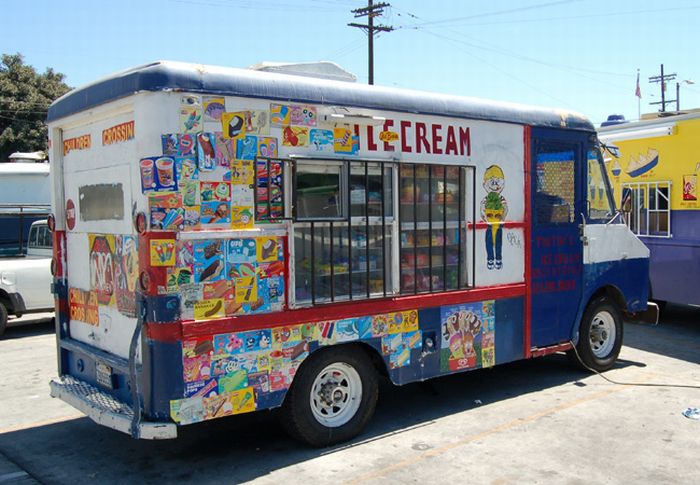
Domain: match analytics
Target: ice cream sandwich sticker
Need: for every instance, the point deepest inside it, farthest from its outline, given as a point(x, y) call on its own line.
point(268, 249)
point(233, 125)
point(208, 309)
point(208, 261)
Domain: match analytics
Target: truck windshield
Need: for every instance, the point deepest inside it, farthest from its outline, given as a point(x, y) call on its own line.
point(601, 206)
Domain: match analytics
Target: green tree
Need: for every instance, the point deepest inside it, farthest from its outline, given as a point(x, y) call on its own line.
point(25, 96)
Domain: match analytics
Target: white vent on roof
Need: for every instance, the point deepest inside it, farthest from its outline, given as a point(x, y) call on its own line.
point(319, 69)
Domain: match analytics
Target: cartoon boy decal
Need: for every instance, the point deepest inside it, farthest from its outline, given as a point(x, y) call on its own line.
point(493, 210)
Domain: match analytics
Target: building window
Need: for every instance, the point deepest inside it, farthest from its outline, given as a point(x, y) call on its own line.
point(650, 213)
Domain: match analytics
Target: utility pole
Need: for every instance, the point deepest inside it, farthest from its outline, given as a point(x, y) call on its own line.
point(662, 79)
point(371, 11)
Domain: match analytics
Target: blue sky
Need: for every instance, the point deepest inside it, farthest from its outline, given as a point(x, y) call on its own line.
point(581, 55)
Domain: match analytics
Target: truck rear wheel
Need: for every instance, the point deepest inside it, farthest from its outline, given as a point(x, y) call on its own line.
point(3, 318)
point(332, 398)
point(600, 335)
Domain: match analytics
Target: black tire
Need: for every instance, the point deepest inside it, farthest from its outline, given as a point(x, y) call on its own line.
point(300, 409)
point(3, 318)
point(597, 346)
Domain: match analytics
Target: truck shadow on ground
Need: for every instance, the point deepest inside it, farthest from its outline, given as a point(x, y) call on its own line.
point(677, 335)
point(246, 447)
point(28, 328)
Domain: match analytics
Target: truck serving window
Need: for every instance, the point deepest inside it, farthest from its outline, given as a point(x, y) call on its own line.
point(317, 191)
point(370, 252)
point(343, 230)
point(101, 202)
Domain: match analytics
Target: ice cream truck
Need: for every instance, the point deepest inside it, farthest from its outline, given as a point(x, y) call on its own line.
point(657, 171)
point(228, 241)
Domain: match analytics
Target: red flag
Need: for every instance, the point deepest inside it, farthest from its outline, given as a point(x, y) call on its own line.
point(638, 91)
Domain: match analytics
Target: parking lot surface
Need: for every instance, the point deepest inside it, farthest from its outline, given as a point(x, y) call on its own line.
point(537, 421)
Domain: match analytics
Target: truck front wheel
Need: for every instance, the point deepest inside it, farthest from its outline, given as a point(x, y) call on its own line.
point(332, 398)
point(600, 335)
point(3, 318)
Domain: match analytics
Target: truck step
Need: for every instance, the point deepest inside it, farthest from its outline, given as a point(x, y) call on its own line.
point(106, 410)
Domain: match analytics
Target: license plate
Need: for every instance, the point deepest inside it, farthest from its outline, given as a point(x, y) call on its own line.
point(103, 373)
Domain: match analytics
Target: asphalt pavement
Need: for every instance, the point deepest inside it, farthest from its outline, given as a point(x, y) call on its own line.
point(536, 421)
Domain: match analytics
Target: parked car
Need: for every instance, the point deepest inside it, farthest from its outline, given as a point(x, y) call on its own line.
point(25, 279)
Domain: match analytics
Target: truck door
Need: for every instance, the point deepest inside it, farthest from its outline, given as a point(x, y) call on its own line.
point(557, 207)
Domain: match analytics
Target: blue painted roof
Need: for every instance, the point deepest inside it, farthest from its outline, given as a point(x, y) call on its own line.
point(195, 78)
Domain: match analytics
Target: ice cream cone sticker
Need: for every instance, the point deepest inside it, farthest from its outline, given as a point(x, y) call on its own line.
point(494, 209)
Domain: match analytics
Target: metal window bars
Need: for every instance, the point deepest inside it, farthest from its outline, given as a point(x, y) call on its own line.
point(651, 206)
point(445, 227)
point(355, 228)
point(437, 226)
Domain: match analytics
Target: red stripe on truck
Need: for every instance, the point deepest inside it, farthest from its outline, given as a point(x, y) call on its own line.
point(337, 311)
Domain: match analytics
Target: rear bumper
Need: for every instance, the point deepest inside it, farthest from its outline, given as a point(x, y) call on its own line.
point(107, 411)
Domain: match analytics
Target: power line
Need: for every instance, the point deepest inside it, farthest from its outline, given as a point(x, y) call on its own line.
point(498, 12)
point(370, 11)
point(502, 71)
point(551, 19)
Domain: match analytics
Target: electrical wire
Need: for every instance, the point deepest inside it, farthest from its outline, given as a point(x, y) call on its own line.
point(578, 17)
point(502, 71)
point(636, 384)
point(499, 12)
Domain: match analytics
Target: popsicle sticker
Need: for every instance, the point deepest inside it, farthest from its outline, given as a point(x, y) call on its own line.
point(162, 252)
